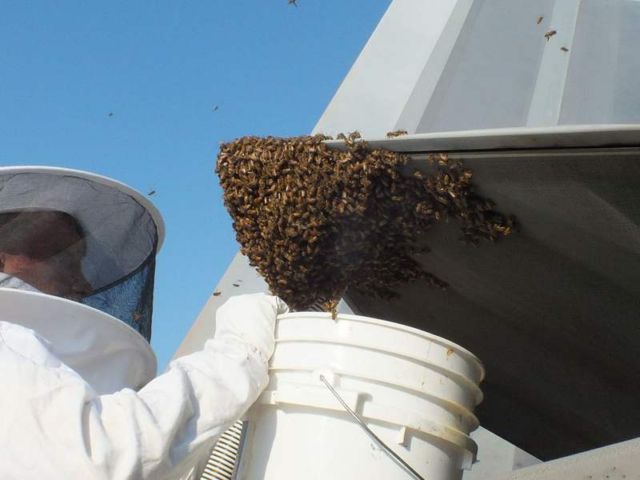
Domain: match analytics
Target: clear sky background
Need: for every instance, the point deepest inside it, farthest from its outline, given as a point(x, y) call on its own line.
point(161, 67)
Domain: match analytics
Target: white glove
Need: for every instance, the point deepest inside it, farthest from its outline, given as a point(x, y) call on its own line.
point(250, 319)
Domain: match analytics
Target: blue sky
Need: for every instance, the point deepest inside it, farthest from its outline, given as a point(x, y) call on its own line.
point(160, 67)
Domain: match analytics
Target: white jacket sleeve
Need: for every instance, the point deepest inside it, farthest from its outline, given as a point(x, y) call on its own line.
point(144, 434)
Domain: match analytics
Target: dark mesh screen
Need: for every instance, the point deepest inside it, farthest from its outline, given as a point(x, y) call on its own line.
point(130, 300)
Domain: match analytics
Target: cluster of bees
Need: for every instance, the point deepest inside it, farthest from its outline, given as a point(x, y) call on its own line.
point(315, 221)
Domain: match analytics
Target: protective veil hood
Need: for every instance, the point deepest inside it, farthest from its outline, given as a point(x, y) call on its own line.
point(104, 332)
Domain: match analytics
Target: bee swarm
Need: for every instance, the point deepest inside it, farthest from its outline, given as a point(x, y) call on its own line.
point(315, 221)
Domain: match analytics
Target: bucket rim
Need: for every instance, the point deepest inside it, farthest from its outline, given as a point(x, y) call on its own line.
point(394, 326)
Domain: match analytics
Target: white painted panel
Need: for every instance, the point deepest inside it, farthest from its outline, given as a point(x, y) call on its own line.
point(552, 74)
point(495, 456)
point(490, 76)
point(604, 74)
point(374, 93)
point(615, 462)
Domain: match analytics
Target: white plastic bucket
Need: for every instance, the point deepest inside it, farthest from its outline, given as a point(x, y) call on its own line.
point(414, 390)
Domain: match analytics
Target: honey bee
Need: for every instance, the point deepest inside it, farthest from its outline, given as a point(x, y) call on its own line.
point(550, 34)
point(396, 133)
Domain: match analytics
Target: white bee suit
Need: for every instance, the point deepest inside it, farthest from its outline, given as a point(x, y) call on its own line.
point(70, 406)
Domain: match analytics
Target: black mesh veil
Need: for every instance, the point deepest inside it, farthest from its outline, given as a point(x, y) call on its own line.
point(82, 237)
point(129, 300)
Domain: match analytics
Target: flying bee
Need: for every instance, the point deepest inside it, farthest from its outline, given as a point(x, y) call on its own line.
point(550, 34)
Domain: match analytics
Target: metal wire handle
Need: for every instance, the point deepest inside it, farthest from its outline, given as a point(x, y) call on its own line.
point(394, 456)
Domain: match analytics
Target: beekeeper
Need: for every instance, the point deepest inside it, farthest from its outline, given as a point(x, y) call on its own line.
point(79, 399)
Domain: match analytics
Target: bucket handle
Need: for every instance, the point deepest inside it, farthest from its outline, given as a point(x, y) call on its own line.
point(393, 455)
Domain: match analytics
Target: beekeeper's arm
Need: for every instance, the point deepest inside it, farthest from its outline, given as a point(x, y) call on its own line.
point(202, 394)
point(144, 434)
